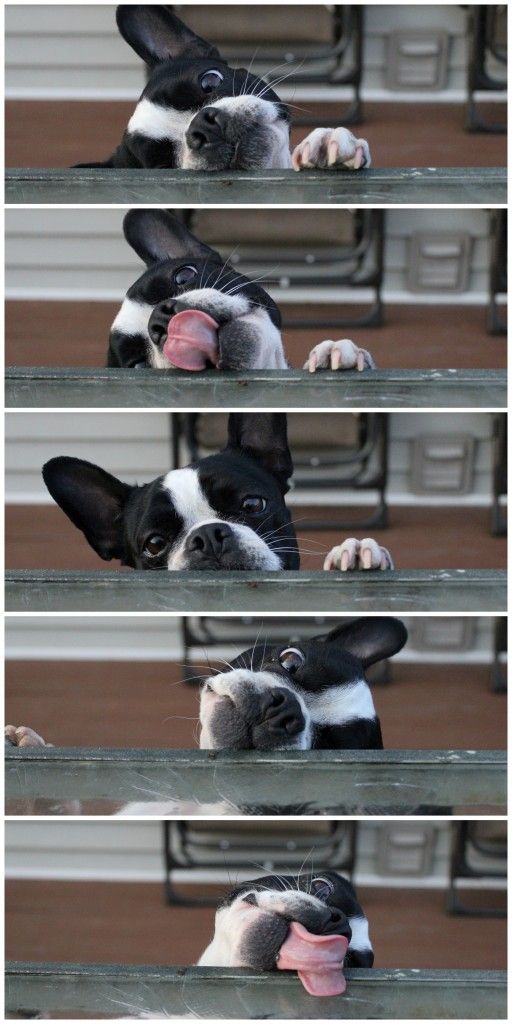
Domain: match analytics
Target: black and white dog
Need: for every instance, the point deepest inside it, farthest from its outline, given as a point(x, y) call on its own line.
point(225, 511)
point(192, 310)
point(308, 923)
point(312, 696)
point(198, 113)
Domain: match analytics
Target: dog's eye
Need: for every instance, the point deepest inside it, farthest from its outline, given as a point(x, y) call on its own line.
point(254, 505)
point(185, 274)
point(321, 888)
point(292, 659)
point(155, 545)
point(211, 80)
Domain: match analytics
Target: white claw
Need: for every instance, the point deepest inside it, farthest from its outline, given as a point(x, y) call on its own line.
point(335, 359)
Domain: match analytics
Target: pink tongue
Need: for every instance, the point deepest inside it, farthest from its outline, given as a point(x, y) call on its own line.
point(191, 340)
point(318, 959)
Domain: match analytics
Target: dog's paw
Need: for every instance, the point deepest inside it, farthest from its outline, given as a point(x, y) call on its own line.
point(338, 355)
point(358, 554)
point(328, 148)
point(23, 736)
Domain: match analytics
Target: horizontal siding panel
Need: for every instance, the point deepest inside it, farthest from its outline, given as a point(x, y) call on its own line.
point(132, 849)
point(76, 49)
point(133, 638)
point(137, 448)
point(83, 251)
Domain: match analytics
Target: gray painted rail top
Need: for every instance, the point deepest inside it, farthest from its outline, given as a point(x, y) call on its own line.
point(43, 387)
point(461, 590)
point(327, 781)
point(432, 185)
point(230, 993)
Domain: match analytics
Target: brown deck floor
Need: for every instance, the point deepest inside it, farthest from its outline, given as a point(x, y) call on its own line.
point(400, 134)
point(127, 922)
point(146, 704)
point(42, 333)
point(41, 537)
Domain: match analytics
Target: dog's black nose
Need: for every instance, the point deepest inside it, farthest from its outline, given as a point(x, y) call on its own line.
point(335, 923)
point(159, 321)
point(281, 712)
point(207, 127)
point(211, 541)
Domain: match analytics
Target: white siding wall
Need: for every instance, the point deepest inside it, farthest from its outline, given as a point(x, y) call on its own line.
point(122, 850)
point(82, 254)
point(152, 638)
point(75, 52)
point(136, 446)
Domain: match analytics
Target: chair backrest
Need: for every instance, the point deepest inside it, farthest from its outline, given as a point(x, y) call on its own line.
point(332, 432)
point(281, 229)
point(267, 25)
point(285, 846)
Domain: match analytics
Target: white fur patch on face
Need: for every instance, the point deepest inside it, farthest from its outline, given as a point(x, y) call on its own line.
point(270, 355)
point(187, 497)
point(230, 924)
point(192, 505)
point(360, 936)
point(133, 318)
point(341, 704)
point(215, 302)
point(156, 122)
point(232, 684)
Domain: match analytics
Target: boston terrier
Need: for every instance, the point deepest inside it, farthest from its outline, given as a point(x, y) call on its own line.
point(312, 696)
point(192, 310)
point(225, 511)
point(198, 113)
point(309, 923)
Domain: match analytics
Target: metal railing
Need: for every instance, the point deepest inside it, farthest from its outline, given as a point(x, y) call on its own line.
point(439, 590)
point(485, 186)
point(230, 993)
point(42, 387)
point(312, 781)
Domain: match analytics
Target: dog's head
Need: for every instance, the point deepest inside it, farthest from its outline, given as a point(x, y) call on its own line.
point(225, 511)
point(311, 694)
point(309, 923)
point(190, 309)
point(196, 111)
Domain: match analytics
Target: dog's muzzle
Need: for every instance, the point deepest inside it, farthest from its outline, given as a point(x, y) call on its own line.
point(187, 338)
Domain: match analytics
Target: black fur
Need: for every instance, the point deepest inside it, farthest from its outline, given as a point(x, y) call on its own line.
point(117, 519)
point(166, 246)
point(177, 61)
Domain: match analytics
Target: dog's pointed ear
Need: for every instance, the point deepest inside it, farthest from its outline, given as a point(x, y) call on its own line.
point(159, 235)
point(92, 499)
point(263, 436)
point(156, 34)
point(369, 639)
